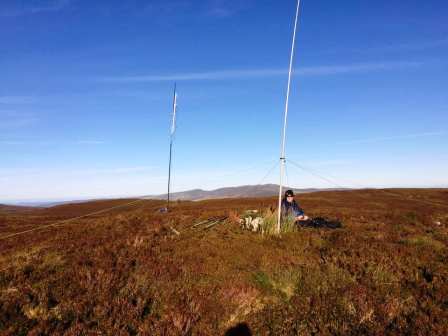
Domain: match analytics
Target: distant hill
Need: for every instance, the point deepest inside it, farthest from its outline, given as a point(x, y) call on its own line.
point(43, 204)
point(265, 190)
point(14, 208)
point(246, 191)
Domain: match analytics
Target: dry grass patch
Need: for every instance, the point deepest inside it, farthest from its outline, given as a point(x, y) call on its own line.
point(425, 241)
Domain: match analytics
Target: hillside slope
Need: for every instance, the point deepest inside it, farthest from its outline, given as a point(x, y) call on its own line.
point(136, 271)
point(4, 208)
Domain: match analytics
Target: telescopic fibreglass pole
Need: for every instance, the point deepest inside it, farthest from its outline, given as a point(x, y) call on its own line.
point(283, 146)
point(172, 131)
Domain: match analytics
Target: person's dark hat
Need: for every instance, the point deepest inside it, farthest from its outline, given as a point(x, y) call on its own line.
point(289, 193)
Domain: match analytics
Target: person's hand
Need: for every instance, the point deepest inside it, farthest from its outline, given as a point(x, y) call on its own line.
point(302, 218)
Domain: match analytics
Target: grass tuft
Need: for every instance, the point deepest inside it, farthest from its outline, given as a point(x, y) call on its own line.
point(270, 221)
point(425, 241)
point(263, 281)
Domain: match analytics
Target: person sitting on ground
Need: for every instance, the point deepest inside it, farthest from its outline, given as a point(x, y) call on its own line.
point(291, 208)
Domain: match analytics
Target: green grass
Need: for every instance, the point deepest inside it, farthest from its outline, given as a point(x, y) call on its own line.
point(425, 241)
point(263, 281)
point(270, 222)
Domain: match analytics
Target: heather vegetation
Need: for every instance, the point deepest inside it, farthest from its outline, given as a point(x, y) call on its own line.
point(135, 271)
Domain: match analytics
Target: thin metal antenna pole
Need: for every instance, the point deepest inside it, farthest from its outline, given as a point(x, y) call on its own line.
point(288, 91)
point(173, 129)
point(169, 175)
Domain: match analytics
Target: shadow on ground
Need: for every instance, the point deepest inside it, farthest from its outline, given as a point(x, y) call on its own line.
point(241, 329)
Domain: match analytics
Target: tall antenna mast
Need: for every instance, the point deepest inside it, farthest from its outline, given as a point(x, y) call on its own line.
point(283, 147)
point(172, 131)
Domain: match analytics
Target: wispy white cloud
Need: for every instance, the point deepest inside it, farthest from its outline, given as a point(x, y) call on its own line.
point(48, 143)
point(219, 8)
point(33, 7)
point(7, 113)
point(220, 12)
point(13, 119)
point(90, 142)
point(209, 8)
point(18, 122)
point(396, 47)
point(395, 137)
point(119, 170)
point(261, 73)
point(51, 6)
point(12, 143)
point(194, 76)
point(226, 8)
point(164, 7)
point(356, 68)
point(17, 100)
point(414, 46)
point(326, 163)
point(34, 172)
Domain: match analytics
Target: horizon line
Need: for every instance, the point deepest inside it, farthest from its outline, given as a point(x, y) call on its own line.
point(75, 199)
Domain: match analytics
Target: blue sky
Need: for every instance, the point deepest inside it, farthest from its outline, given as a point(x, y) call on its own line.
point(86, 88)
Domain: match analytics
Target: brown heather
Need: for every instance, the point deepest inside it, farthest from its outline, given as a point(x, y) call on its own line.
point(127, 273)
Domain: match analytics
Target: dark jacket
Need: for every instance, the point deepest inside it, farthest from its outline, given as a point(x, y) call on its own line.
point(291, 209)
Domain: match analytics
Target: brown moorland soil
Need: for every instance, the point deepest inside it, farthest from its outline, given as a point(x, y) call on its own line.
point(127, 271)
